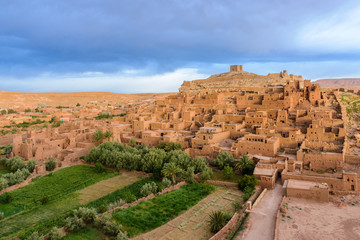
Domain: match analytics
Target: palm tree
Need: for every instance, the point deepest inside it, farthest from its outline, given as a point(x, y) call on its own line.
point(108, 135)
point(244, 163)
point(170, 170)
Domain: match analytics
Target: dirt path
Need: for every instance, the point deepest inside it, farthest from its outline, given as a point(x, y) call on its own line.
point(262, 218)
point(193, 223)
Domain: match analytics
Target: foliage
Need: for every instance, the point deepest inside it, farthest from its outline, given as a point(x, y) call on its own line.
point(217, 220)
point(35, 236)
point(99, 168)
point(169, 146)
point(245, 165)
point(6, 198)
point(6, 149)
point(189, 175)
point(44, 199)
point(30, 165)
point(228, 172)
point(153, 213)
point(86, 214)
point(224, 159)
point(50, 165)
point(54, 234)
point(148, 189)
point(106, 225)
point(11, 111)
point(166, 183)
point(78, 105)
point(206, 174)
point(170, 170)
point(199, 164)
point(248, 191)
point(2, 215)
point(157, 172)
point(17, 177)
point(3, 183)
point(237, 206)
point(122, 236)
point(73, 224)
point(247, 181)
point(15, 163)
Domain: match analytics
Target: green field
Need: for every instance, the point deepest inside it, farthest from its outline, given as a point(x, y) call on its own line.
point(85, 234)
point(155, 212)
point(218, 176)
point(26, 210)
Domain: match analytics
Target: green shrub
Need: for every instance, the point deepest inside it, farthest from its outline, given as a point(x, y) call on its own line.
point(199, 164)
point(35, 236)
point(237, 206)
point(122, 236)
point(111, 228)
point(30, 165)
point(54, 234)
point(6, 198)
point(228, 172)
point(50, 165)
point(248, 191)
point(3, 183)
point(206, 174)
point(44, 199)
point(73, 224)
point(217, 220)
point(86, 214)
point(157, 175)
point(2, 215)
point(166, 183)
point(247, 181)
point(148, 189)
point(15, 163)
point(99, 168)
point(189, 175)
point(17, 177)
point(224, 159)
point(129, 197)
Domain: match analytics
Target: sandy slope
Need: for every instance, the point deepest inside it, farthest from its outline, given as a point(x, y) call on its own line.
point(11, 99)
point(349, 83)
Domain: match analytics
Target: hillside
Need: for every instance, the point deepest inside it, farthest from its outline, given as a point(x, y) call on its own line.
point(348, 83)
point(18, 99)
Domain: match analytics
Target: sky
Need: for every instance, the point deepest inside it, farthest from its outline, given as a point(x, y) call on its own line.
point(133, 46)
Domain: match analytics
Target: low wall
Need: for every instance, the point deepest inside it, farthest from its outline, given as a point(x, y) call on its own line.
point(352, 159)
point(219, 183)
point(278, 219)
point(236, 218)
point(259, 198)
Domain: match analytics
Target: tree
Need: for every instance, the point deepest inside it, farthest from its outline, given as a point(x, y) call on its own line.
point(98, 136)
point(218, 220)
point(78, 105)
point(247, 181)
point(54, 234)
point(228, 172)
point(199, 164)
point(245, 165)
point(224, 159)
point(3, 112)
point(30, 165)
point(206, 174)
point(170, 170)
point(108, 135)
point(132, 142)
point(15, 163)
point(50, 165)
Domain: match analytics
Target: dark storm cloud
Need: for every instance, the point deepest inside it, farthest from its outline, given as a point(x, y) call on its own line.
point(65, 37)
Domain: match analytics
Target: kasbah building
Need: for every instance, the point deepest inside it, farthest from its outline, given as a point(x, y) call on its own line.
point(293, 130)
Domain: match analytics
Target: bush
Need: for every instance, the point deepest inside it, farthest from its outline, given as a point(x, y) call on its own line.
point(44, 199)
point(228, 172)
point(86, 214)
point(30, 165)
point(50, 165)
point(3, 183)
point(54, 234)
point(247, 181)
point(189, 175)
point(237, 206)
point(129, 197)
point(206, 174)
point(122, 236)
point(157, 175)
point(17, 177)
point(15, 163)
point(218, 220)
point(199, 164)
point(35, 236)
point(148, 188)
point(166, 183)
point(111, 228)
point(248, 191)
point(6, 198)
point(99, 168)
point(2, 215)
point(73, 224)
point(224, 159)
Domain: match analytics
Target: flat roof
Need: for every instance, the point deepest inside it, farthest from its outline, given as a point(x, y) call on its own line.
point(264, 171)
point(300, 184)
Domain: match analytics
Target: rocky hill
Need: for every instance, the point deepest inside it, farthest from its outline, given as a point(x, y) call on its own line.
point(348, 83)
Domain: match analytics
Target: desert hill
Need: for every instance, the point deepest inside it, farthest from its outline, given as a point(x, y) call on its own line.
point(348, 83)
point(19, 99)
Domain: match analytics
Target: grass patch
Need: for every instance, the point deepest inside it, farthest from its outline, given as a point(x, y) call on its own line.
point(155, 212)
point(85, 234)
point(54, 186)
point(218, 176)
